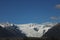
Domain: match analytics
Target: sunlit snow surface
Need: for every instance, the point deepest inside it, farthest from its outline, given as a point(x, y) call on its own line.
point(35, 30)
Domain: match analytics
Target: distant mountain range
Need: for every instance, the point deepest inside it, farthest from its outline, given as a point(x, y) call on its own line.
point(25, 30)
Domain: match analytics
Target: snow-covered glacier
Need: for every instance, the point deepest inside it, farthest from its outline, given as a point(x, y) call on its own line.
point(34, 29)
point(30, 29)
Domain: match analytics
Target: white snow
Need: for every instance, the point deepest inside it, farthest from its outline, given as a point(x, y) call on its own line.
point(28, 29)
point(31, 29)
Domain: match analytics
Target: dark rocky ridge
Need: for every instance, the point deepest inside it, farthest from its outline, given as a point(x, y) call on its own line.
point(11, 33)
point(54, 32)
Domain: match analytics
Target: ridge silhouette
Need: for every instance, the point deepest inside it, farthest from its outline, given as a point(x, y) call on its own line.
point(54, 32)
point(11, 33)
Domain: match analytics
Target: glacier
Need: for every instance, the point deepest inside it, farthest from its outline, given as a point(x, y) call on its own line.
point(34, 29)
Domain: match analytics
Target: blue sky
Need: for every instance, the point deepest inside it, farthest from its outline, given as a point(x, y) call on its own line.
point(28, 11)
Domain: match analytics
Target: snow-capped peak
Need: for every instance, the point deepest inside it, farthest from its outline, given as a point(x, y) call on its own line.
point(6, 25)
point(30, 29)
point(35, 29)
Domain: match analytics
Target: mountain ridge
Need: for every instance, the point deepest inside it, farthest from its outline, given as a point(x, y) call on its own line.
point(30, 29)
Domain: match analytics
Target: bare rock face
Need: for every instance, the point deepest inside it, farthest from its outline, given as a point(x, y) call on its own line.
point(54, 32)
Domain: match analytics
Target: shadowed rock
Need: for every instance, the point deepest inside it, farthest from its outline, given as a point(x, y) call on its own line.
point(11, 33)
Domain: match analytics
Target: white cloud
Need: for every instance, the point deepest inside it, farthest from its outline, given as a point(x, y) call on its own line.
point(54, 18)
point(58, 6)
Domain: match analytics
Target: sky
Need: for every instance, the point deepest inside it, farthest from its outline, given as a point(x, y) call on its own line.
point(29, 11)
